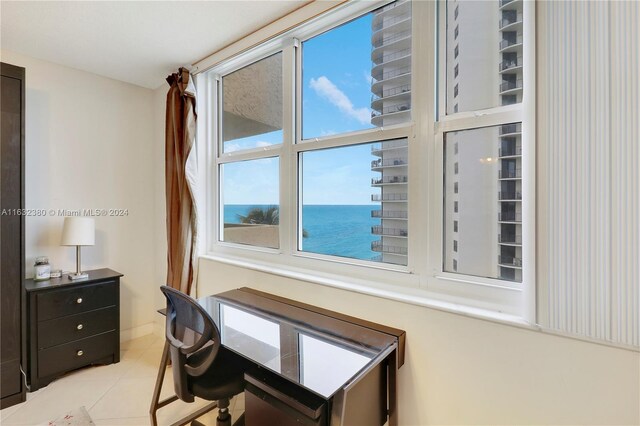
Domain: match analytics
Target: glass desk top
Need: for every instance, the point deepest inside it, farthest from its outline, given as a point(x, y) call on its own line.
point(319, 352)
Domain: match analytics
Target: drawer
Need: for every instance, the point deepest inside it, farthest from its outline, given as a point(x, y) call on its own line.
point(271, 400)
point(59, 303)
point(74, 327)
point(76, 354)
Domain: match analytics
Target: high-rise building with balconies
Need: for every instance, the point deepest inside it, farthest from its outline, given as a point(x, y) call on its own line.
point(391, 104)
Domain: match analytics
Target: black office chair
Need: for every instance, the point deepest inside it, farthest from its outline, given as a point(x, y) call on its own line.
point(201, 366)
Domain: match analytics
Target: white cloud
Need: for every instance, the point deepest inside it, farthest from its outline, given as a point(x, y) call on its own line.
point(230, 147)
point(262, 144)
point(326, 89)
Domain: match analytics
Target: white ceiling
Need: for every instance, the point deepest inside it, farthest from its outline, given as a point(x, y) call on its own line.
point(139, 42)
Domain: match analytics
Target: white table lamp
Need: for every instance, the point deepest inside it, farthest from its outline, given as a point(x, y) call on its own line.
point(78, 231)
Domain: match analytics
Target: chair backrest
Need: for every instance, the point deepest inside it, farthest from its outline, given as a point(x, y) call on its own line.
point(193, 337)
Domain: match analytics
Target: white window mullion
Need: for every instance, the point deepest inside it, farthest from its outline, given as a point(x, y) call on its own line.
point(287, 166)
point(529, 166)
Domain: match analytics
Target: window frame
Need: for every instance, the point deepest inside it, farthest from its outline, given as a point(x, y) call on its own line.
point(422, 280)
point(523, 113)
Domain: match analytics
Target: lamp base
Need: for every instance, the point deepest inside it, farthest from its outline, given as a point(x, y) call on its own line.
point(76, 276)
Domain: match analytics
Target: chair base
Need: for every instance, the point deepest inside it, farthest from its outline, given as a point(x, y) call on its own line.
point(238, 422)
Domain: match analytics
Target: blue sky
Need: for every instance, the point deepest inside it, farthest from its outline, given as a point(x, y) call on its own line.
point(336, 96)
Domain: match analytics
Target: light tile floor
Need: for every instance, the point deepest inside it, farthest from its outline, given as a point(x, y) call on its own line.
point(114, 395)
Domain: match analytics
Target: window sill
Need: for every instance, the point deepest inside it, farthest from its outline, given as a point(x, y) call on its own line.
point(404, 295)
point(399, 294)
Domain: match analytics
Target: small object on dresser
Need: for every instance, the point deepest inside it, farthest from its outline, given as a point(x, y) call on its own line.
point(43, 269)
point(56, 273)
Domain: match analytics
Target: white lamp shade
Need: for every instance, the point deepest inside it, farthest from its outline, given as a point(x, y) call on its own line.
point(78, 231)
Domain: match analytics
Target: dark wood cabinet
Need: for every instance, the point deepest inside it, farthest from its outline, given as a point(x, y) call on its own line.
point(72, 324)
point(12, 342)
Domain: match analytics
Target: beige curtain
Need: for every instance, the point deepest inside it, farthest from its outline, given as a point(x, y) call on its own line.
point(181, 213)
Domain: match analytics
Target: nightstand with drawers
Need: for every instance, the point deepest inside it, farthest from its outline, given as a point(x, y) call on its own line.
point(72, 324)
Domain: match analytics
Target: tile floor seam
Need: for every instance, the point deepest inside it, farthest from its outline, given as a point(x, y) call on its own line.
point(103, 394)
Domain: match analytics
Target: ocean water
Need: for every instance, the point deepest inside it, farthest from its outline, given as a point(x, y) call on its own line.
point(339, 230)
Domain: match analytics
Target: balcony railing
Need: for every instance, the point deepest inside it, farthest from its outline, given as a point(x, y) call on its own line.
point(391, 56)
point(379, 247)
point(509, 217)
point(510, 85)
point(393, 232)
point(389, 197)
point(510, 174)
point(510, 238)
point(506, 21)
point(392, 38)
point(390, 74)
point(510, 63)
point(506, 43)
point(509, 195)
point(510, 152)
point(392, 92)
point(386, 23)
point(388, 214)
point(388, 162)
point(389, 179)
point(510, 128)
point(389, 145)
point(510, 260)
point(391, 109)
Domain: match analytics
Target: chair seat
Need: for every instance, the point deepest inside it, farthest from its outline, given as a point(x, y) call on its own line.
point(225, 377)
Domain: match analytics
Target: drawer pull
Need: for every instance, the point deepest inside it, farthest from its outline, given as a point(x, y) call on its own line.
point(79, 353)
point(79, 300)
point(79, 326)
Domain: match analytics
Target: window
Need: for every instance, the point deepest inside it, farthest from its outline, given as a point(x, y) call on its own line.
point(489, 183)
point(366, 219)
point(250, 202)
point(358, 75)
point(252, 105)
point(317, 140)
point(494, 54)
point(490, 220)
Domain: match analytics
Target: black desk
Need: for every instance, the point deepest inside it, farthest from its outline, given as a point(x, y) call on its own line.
point(333, 368)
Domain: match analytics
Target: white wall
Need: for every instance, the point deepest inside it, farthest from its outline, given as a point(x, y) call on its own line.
point(89, 144)
point(461, 370)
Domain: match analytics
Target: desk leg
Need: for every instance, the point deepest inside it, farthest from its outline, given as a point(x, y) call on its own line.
point(155, 401)
point(393, 388)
